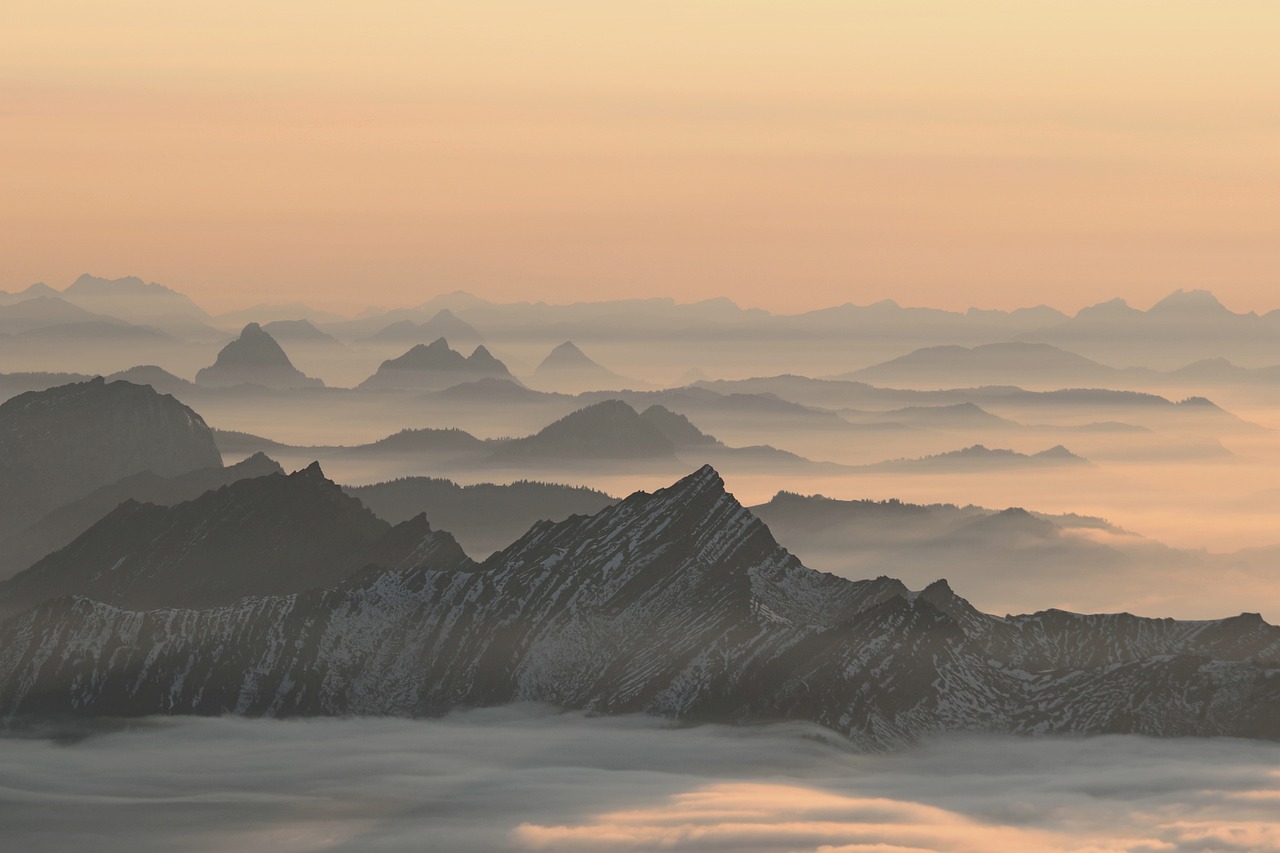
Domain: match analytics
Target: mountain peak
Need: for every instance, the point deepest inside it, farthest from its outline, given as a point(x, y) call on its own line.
point(1188, 302)
point(254, 358)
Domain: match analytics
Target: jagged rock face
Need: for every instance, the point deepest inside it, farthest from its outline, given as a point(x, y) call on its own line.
point(677, 603)
point(255, 358)
point(64, 524)
point(260, 536)
point(435, 366)
point(58, 445)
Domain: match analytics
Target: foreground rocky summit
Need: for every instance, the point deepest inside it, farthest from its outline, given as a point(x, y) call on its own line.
point(677, 603)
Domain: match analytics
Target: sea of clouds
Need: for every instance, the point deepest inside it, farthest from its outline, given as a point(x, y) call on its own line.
point(528, 778)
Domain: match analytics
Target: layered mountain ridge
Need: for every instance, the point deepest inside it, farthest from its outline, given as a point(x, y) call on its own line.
point(679, 603)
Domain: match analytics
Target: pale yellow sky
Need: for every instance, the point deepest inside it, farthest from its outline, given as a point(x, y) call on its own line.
point(787, 154)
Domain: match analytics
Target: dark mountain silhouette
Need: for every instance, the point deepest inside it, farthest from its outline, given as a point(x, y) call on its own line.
point(678, 603)
point(62, 525)
point(484, 517)
point(60, 444)
point(444, 324)
point(266, 535)
point(567, 368)
point(678, 429)
point(434, 367)
point(255, 358)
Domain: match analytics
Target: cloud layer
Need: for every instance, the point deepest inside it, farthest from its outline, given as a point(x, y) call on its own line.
point(529, 779)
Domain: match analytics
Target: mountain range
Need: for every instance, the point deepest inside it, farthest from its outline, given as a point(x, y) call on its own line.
point(677, 603)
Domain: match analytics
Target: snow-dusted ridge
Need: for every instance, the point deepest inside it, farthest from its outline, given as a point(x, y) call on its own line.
point(679, 603)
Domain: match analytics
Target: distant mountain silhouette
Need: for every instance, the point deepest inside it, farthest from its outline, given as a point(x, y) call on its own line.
point(254, 358)
point(1184, 326)
point(957, 416)
point(12, 384)
point(262, 536)
point(64, 524)
point(606, 430)
point(60, 444)
point(446, 442)
point(301, 332)
point(31, 292)
point(434, 367)
point(1015, 363)
point(493, 390)
point(157, 377)
point(484, 517)
point(567, 368)
point(980, 458)
point(444, 324)
point(139, 302)
point(43, 312)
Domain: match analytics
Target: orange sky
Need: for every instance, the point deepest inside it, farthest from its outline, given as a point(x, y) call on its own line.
point(787, 154)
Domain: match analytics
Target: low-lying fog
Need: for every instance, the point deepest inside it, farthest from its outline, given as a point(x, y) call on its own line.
point(526, 778)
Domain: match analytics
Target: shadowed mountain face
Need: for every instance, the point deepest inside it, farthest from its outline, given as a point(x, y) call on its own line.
point(484, 517)
point(261, 536)
point(255, 358)
point(678, 603)
point(60, 444)
point(435, 366)
point(64, 524)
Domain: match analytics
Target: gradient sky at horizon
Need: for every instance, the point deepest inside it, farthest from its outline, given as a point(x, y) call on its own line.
point(991, 153)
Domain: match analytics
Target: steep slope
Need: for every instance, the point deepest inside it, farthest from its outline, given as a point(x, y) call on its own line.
point(62, 525)
point(679, 603)
point(434, 367)
point(484, 517)
point(254, 358)
point(261, 536)
point(59, 444)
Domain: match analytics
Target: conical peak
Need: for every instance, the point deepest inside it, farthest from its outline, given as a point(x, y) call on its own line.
point(438, 345)
point(251, 329)
point(311, 472)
